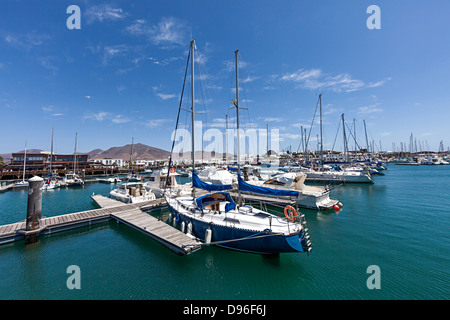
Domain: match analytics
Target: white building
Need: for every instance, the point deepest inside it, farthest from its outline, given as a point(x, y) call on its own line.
point(111, 162)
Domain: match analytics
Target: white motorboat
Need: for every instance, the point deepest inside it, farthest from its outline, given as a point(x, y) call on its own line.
point(132, 192)
point(72, 180)
point(327, 175)
point(20, 185)
point(157, 183)
point(50, 184)
point(114, 179)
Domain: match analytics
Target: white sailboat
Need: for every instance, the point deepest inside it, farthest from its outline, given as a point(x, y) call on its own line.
point(216, 219)
point(328, 174)
point(72, 179)
point(23, 183)
point(51, 182)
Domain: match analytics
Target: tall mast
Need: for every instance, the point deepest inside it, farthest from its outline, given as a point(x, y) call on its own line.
point(193, 119)
point(354, 137)
point(24, 162)
point(321, 137)
point(131, 155)
point(345, 140)
point(236, 103)
point(226, 139)
point(51, 156)
point(367, 141)
point(75, 155)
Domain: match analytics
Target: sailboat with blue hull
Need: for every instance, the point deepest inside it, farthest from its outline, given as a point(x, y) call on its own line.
point(216, 219)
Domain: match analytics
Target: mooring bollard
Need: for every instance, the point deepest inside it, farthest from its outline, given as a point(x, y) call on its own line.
point(34, 209)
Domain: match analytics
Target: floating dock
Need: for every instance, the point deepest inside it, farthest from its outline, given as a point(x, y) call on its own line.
point(128, 214)
point(170, 237)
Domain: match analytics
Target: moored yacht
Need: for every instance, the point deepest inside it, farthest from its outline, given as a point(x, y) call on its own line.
point(311, 197)
point(72, 180)
point(157, 183)
point(132, 192)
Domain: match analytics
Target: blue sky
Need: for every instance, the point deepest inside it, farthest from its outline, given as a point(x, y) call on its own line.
point(120, 75)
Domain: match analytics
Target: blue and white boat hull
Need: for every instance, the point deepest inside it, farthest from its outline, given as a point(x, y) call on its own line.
point(261, 242)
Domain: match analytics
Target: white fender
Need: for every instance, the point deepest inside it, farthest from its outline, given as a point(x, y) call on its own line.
point(208, 236)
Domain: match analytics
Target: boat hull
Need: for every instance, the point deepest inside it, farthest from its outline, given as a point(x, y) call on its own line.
point(320, 177)
point(322, 202)
point(251, 241)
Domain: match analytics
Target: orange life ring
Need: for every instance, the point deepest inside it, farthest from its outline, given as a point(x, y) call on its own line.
point(290, 213)
point(172, 170)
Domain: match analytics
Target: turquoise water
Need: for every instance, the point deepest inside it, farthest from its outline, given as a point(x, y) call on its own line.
point(399, 224)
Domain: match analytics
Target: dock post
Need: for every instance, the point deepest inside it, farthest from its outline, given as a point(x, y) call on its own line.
point(34, 209)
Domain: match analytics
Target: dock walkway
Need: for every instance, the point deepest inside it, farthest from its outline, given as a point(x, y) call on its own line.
point(128, 214)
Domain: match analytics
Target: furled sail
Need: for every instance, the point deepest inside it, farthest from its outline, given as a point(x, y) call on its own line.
point(197, 183)
point(243, 186)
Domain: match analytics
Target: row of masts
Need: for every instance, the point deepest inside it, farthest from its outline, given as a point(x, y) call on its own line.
point(305, 137)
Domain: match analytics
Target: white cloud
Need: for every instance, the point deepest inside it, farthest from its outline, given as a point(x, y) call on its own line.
point(47, 62)
point(289, 136)
point(156, 122)
point(47, 109)
point(111, 52)
point(373, 108)
point(249, 79)
point(379, 83)
point(300, 125)
point(163, 62)
point(302, 75)
point(88, 97)
point(28, 40)
point(315, 79)
point(163, 96)
point(230, 65)
point(271, 119)
point(104, 12)
point(106, 116)
point(169, 31)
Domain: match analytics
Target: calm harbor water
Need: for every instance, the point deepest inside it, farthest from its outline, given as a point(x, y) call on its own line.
point(400, 224)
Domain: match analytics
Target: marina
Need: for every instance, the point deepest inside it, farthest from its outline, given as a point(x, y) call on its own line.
point(229, 151)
